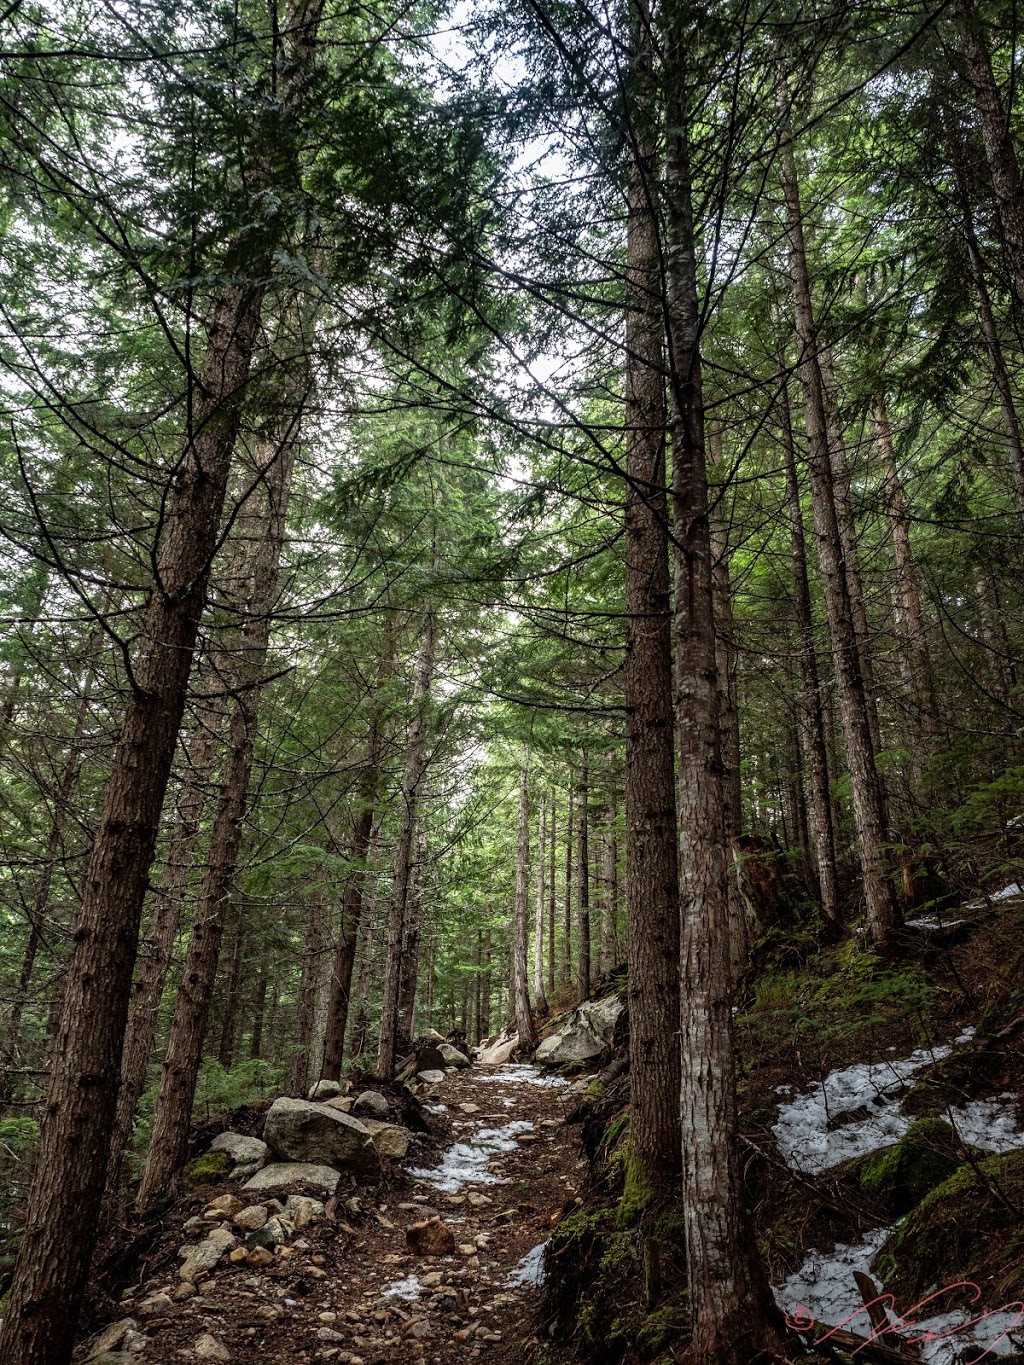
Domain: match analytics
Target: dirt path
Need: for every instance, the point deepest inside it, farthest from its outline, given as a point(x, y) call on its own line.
point(500, 1168)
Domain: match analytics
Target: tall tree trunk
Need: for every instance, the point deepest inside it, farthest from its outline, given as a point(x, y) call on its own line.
point(848, 541)
point(553, 850)
point(539, 999)
point(733, 1315)
point(158, 948)
point(811, 729)
point(567, 906)
point(652, 879)
point(868, 805)
point(232, 990)
point(1000, 152)
point(259, 1005)
point(520, 993)
point(415, 766)
point(411, 942)
point(583, 884)
point(351, 913)
point(253, 578)
point(609, 887)
point(305, 1005)
point(485, 1023)
point(909, 614)
point(732, 808)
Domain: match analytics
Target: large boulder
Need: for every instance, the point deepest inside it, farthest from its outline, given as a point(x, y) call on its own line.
point(243, 1151)
point(389, 1139)
point(370, 1102)
point(281, 1174)
point(585, 1036)
point(452, 1056)
point(298, 1130)
point(498, 1052)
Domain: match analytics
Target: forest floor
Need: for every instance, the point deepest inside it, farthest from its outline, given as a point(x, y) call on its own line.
point(351, 1291)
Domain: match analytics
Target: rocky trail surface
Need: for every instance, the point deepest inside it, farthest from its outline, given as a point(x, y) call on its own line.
point(440, 1262)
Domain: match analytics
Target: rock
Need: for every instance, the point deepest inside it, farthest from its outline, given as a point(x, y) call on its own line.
point(431, 1077)
point(389, 1139)
point(207, 1347)
point(155, 1305)
point(274, 1233)
point(251, 1218)
point(497, 1051)
point(469, 1107)
point(301, 1211)
point(901, 1175)
point(243, 1151)
point(298, 1130)
point(325, 1090)
point(418, 1329)
point(284, 1173)
point(587, 1034)
point(342, 1102)
point(222, 1238)
point(226, 1204)
point(452, 1056)
point(200, 1260)
point(370, 1102)
point(111, 1337)
point(111, 1358)
point(329, 1334)
point(135, 1342)
point(259, 1257)
point(238, 1255)
point(430, 1238)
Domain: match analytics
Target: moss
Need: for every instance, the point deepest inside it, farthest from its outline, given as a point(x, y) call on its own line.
point(638, 1192)
point(968, 1227)
point(208, 1169)
point(900, 1176)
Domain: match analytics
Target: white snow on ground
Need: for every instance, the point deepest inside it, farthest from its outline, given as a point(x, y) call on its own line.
point(530, 1270)
point(466, 1163)
point(823, 1289)
point(1007, 893)
point(932, 922)
point(520, 1073)
point(409, 1288)
point(802, 1128)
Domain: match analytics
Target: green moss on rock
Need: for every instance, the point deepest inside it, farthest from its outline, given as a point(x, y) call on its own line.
point(968, 1227)
point(209, 1169)
point(900, 1176)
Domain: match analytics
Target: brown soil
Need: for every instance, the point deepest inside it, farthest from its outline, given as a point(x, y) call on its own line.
point(342, 1263)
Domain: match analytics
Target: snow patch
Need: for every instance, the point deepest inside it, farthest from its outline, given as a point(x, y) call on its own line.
point(802, 1129)
point(409, 1288)
point(520, 1073)
point(466, 1163)
point(824, 1286)
point(988, 1124)
point(530, 1270)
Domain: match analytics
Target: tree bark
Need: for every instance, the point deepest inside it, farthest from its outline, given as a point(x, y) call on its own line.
point(733, 1315)
point(253, 577)
point(732, 808)
point(412, 939)
point(415, 767)
point(567, 905)
point(907, 596)
point(811, 728)
point(315, 947)
point(609, 888)
point(868, 806)
point(259, 1005)
point(232, 989)
point(652, 878)
point(583, 885)
point(520, 992)
point(1000, 152)
point(539, 999)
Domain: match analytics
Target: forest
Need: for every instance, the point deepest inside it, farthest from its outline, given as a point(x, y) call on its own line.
point(511, 681)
